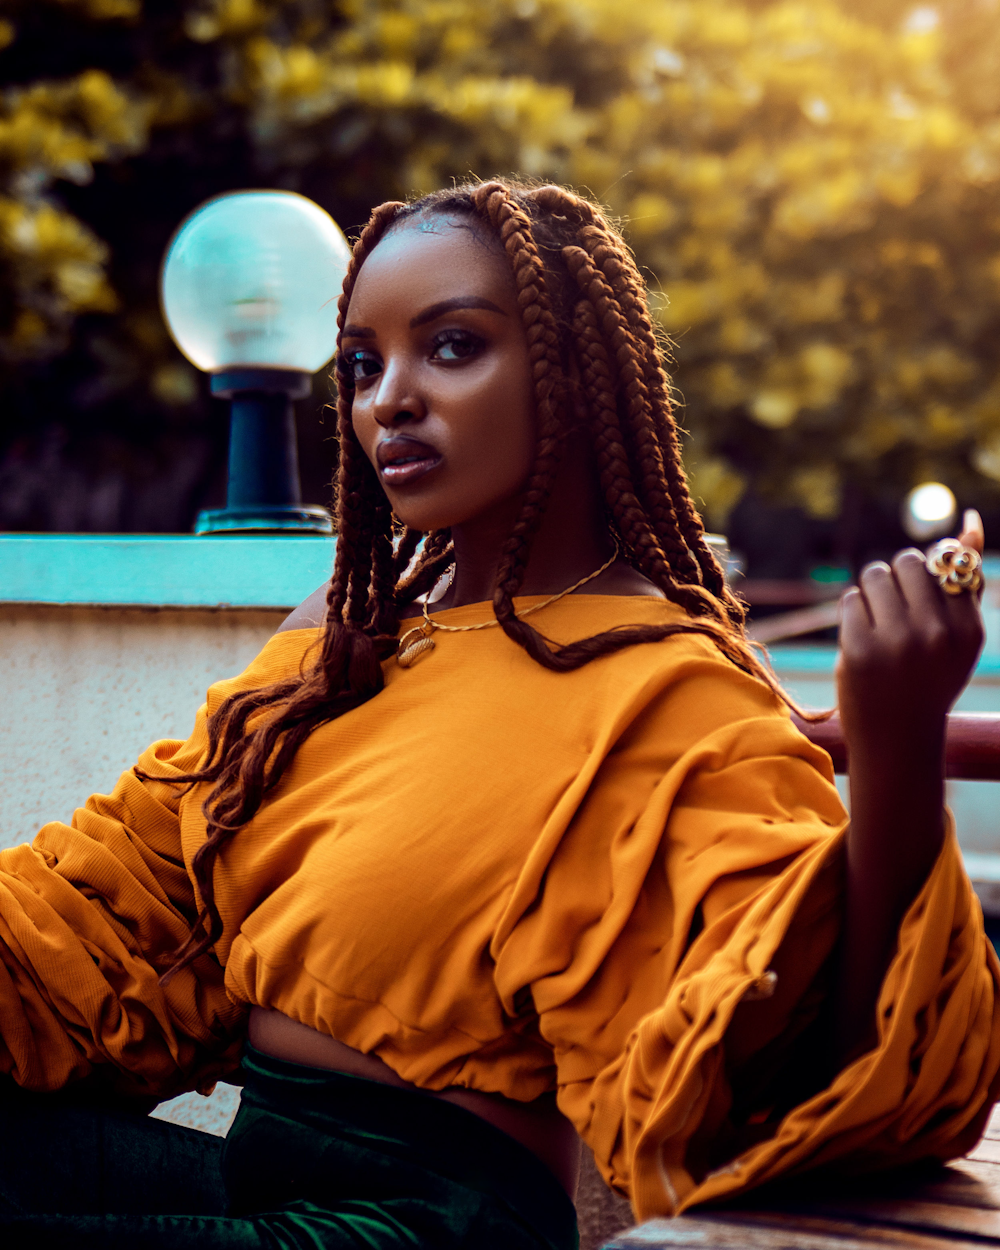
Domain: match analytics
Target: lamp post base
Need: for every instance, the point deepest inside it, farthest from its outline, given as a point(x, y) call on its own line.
point(265, 519)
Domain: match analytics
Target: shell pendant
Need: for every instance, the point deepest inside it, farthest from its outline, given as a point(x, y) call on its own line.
point(413, 644)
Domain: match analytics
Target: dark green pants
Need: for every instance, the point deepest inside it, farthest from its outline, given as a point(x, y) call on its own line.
point(314, 1159)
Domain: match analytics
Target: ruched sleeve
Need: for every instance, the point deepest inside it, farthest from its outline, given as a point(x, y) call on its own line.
point(681, 965)
point(89, 915)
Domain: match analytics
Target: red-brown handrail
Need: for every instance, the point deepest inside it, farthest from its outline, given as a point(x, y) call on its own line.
point(972, 751)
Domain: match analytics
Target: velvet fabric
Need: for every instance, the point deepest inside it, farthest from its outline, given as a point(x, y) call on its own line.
point(315, 1160)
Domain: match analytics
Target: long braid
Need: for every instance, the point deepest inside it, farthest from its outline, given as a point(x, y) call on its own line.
point(406, 549)
point(598, 309)
point(640, 404)
point(356, 484)
point(618, 266)
point(510, 220)
point(580, 297)
point(438, 555)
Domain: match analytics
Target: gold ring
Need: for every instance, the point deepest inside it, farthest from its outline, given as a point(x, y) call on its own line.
point(955, 567)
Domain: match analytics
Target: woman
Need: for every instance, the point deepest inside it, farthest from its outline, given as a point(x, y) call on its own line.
point(542, 856)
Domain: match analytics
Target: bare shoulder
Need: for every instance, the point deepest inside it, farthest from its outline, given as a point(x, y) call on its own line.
point(310, 612)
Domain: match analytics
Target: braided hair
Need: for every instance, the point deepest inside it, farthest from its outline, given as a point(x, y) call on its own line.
point(584, 311)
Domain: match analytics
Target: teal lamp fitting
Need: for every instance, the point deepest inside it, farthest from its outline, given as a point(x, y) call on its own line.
point(249, 292)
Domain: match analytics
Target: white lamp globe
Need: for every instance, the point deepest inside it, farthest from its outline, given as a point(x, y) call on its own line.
point(251, 278)
point(929, 511)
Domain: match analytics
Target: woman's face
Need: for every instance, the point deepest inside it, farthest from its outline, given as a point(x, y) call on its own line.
point(444, 402)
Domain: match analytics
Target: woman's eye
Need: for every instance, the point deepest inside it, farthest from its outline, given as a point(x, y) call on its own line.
point(455, 345)
point(361, 365)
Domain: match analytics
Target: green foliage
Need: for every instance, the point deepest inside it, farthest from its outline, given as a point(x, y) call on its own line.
point(813, 187)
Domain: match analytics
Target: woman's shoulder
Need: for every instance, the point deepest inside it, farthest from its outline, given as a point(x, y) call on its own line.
point(310, 613)
point(282, 657)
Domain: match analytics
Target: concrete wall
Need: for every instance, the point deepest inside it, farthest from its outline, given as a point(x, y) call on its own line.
point(86, 689)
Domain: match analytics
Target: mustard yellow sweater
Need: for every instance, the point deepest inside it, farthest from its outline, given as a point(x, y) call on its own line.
point(513, 880)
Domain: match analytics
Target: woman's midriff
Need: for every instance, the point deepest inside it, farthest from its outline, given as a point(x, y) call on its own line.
point(539, 1126)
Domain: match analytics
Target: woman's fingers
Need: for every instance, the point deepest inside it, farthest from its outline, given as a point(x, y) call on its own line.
point(923, 596)
point(972, 531)
point(929, 609)
point(885, 603)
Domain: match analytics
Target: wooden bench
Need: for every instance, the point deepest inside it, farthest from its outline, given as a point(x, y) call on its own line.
point(947, 1208)
point(950, 1208)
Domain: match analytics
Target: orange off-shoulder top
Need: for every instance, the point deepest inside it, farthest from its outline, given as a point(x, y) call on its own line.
point(621, 883)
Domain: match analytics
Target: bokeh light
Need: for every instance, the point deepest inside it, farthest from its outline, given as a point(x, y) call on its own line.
point(929, 511)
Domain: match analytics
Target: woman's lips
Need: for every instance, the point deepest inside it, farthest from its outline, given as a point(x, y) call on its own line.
point(401, 461)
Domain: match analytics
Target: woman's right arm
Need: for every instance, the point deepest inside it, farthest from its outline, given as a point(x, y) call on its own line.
point(90, 913)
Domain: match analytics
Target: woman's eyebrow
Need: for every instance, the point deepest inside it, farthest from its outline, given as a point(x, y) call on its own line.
point(451, 305)
point(358, 332)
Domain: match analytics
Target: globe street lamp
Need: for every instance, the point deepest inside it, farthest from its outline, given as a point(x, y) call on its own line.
point(249, 291)
point(929, 511)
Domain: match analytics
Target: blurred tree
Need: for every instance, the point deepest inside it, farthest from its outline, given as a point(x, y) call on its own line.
point(814, 185)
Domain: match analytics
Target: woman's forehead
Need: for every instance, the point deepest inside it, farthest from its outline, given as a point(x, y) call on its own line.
point(424, 253)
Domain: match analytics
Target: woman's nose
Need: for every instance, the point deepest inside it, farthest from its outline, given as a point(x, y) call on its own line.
point(397, 401)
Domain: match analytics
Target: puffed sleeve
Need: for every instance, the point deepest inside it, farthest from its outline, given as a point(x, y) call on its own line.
point(89, 915)
point(680, 959)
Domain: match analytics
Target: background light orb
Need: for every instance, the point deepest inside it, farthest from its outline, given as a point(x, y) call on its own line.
point(929, 511)
point(251, 278)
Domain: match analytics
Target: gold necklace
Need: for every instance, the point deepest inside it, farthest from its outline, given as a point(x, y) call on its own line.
point(407, 652)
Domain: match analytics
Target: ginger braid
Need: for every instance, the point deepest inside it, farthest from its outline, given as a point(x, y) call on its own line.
point(618, 266)
point(581, 299)
point(641, 405)
point(598, 309)
point(360, 501)
point(511, 222)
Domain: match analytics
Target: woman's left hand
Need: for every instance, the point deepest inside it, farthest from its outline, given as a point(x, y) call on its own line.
point(906, 648)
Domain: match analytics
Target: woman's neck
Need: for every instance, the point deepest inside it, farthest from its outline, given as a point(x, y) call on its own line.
point(572, 540)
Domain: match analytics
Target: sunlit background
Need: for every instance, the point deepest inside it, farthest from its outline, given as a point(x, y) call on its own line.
point(812, 188)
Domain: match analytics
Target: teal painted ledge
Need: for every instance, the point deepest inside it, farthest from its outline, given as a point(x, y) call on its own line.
point(162, 570)
point(817, 660)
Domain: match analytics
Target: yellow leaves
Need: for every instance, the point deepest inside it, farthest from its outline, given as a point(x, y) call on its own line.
point(219, 18)
point(57, 265)
point(62, 128)
point(175, 383)
point(398, 33)
point(986, 457)
point(7, 33)
point(816, 488)
point(813, 377)
point(715, 486)
point(725, 386)
point(775, 408)
point(827, 206)
point(106, 10)
point(56, 244)
point(940, 367)
point(944, 424)
point(812, 301)
point(899, 186)
point(650, 215)
point(898, 252)
point(290, 80)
